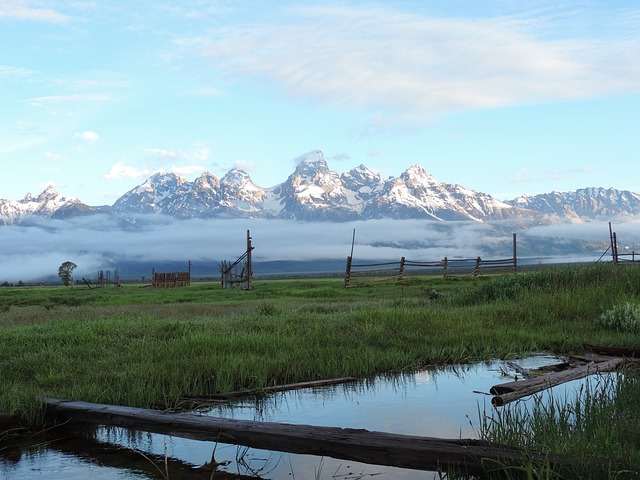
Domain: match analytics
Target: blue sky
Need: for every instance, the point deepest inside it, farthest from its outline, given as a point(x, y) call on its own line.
point(504, 97)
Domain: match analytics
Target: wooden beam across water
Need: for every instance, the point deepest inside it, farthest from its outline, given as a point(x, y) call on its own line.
point(379, 448)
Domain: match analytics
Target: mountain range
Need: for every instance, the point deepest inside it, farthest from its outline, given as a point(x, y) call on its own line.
point(313, 192)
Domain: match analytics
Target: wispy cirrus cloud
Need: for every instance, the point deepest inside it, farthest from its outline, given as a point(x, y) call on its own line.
point(120, 170)
point(200, 151)
point(526, 175)
point(415, 66)
point(9, 71)
point(69, 98)
point(29, 11)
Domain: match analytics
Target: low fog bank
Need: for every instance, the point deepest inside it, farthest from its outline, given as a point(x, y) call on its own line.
point(35, 251)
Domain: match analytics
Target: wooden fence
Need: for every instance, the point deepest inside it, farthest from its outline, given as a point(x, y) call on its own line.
point(627, 258)
point(171, 279)
point(447, 267)
point(620, 258)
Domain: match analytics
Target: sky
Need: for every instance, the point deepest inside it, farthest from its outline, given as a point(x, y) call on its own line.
point(503, 97)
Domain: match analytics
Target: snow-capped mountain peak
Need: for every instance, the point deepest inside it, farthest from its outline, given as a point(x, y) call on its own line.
point(314, 192)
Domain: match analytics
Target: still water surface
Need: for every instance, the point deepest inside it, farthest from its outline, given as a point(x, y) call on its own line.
point(443, 402)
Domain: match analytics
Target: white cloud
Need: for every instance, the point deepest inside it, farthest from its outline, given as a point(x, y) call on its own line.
point(76, 97)
point(15, 72)
point(245, 165)
point(24, 10)
point(528, 175)
point(56, 157)
point(100, 241)
point(413, 66)
point(186, 169)
point(88, 137)
point(163, 153)
point(120, 171)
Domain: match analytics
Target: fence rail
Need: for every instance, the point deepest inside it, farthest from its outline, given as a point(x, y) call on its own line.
point(626, 258)
point(448, 267)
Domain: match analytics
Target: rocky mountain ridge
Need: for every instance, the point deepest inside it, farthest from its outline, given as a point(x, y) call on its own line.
point(313, 192)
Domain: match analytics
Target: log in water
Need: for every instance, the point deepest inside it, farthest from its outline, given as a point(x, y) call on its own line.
point(508, 392)
point(404, 451)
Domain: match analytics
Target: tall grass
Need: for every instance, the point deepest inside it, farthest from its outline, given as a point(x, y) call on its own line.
point(592, 435)
point(142, 347)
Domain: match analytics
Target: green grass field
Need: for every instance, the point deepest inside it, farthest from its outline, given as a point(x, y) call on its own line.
point(141, 346)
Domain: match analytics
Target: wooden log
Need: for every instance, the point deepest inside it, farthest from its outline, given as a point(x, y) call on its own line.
point(522, 371)
point(276, 388)
point(508, 392)
point(404, 451)
point(621, 351)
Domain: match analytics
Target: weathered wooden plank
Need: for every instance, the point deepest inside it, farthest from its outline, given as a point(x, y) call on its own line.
point(274, 388)
point(508, 392)
point(405, 451)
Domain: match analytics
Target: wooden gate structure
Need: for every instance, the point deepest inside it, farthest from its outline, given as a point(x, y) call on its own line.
point(238, 274)
point(620, 258)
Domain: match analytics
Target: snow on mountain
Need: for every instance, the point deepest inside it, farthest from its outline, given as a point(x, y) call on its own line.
point(240, 196)
point(583, 203)
point(416, 192)
point(313, 192)
point(48, 204)
point(151, 196)
point(362, 185)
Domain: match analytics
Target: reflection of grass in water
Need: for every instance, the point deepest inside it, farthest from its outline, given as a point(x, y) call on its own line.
point(595, 433)
point(143, 347)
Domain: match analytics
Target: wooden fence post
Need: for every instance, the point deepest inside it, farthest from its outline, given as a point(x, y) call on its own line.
point(515, 257)
point(477, 269)
point(446, 265)
point(347, 274)
point(401, 270)
point(249, 266)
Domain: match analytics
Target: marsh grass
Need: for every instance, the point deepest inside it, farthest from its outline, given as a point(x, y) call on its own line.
point(143, 347)
point(594, 433)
